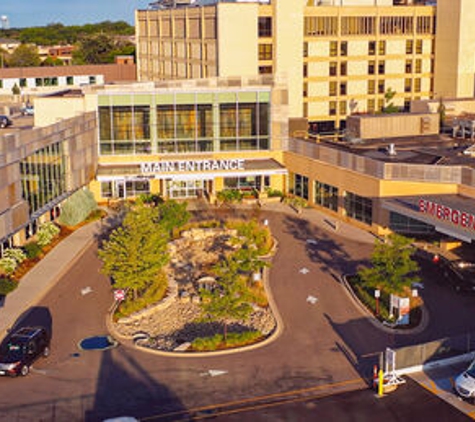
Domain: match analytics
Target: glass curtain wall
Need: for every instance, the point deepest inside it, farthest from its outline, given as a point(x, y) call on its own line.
point(124, 130)
point(43, 177)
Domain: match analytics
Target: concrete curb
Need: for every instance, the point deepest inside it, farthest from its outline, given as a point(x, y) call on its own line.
point(375, 322)
point(279, 328)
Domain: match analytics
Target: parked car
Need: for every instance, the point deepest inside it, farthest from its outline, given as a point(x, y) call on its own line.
point(5, 121)
point(28, 110)
point(23, 348)
point(465, 383)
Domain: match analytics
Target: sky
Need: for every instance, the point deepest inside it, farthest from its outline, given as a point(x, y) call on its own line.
point(24, 13)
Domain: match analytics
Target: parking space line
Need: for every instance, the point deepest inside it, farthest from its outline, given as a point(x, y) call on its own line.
point(433, 387)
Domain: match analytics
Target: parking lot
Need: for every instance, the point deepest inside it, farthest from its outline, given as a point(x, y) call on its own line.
point(440, 382)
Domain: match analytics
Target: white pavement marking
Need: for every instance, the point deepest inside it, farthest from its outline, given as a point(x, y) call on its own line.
point(304, 271)
point(213, 373)
point(312, 300)
point(312, 241)
point(86, 290)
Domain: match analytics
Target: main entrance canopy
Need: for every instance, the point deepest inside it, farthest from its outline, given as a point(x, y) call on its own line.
point(453, 215)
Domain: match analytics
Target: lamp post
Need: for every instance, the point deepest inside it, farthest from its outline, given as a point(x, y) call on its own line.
point(377, 294)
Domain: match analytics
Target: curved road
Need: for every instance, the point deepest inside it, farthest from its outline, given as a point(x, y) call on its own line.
point(316, 351)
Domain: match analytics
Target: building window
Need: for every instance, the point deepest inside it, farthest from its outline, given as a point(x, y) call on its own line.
point(371, 67)
point(265, 70)
point(371, 106)
point(43, 176)
point(381, 67)
point(326, 196)
point(371, 87)
point(419, 47)
point(407, 104)
point(332, 108)
point(382, 48)
point(333, 48)
point(92, 80)
point(343, 48)
point(333, 68)
point(265, 51)
point(342, 108)
point(343, 88)
point(333, 90)
point(305, 49)
point(409, 46)
point(247, 183)
point(265, 26)
point(417, 85)
point(23, 82)
point(418, 66)
point(39, 82)
point(106, 189)
point(402, 224)
point(371, 48)
point(343, 68)
point(407, 85)
point(305, 70)
point(381, 104)
point(408, 66)
point(69, 80)
point(358, 207)
point(299, 185)
point(381, 87)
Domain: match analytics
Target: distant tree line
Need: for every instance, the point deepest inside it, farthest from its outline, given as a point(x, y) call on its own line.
point(95, 43)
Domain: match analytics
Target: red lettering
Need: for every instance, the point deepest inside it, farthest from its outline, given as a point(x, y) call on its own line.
point(439, 212)
point(430, 208)
point(447, 212)
point(422, 206)
point(464, 219)
point(455, 217)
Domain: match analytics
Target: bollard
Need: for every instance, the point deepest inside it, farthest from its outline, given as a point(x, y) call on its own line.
point(375, 377)
point(380, 383)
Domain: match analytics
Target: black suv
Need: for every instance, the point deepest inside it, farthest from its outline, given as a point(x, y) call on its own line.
point(22, 348)
point(5, 121)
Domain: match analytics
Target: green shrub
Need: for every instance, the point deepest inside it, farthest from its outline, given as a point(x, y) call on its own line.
point(32, 250)
point(46, 233)
point(229, 195)
point(16, 254)
point(7, 285)
point(77, 207)
point(232, 340)
point(8, 265)
point(274, 193)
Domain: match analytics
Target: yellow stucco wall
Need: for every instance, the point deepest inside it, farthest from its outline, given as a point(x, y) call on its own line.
point(237, 39)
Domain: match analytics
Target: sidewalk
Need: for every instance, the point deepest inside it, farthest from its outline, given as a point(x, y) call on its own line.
point(37, 282)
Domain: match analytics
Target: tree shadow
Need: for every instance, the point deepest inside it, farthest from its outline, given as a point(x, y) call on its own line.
point(332, 255)
point(34, 316)
point(125, 388)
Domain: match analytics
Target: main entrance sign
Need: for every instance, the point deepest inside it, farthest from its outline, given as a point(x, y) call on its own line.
point(443, 212)
point(191, 166)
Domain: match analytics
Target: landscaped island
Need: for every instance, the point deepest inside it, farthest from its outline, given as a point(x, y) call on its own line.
point(207, 291)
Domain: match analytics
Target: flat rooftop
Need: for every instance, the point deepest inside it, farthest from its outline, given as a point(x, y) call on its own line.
point(429, 150)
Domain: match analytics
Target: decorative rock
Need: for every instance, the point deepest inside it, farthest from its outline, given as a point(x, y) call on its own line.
point(182, 347)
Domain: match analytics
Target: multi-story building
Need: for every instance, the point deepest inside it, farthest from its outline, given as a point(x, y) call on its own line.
point(338, 57)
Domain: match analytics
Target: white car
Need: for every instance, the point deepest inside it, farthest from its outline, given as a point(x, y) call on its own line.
point(465, 382)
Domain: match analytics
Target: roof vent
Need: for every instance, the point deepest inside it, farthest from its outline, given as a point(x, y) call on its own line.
point(392, 150)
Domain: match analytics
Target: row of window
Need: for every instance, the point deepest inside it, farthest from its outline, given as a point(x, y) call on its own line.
point(50, 81)
point(183, 128)
point(355, 206)
point(341, 88)
point(315, 26)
